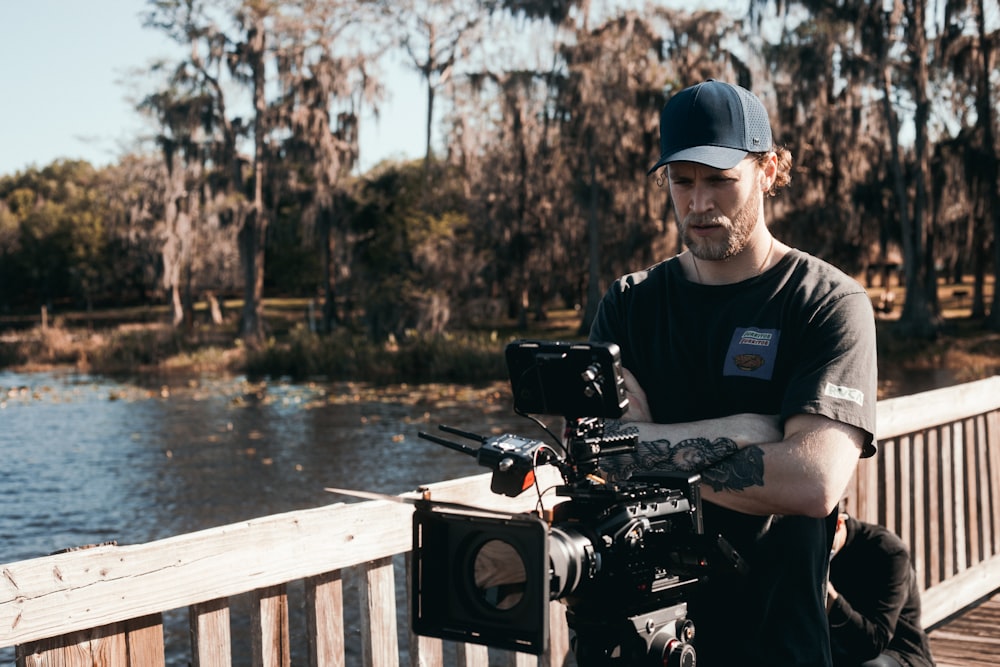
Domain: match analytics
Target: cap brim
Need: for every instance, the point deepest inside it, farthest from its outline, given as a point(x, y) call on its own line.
point(717, 157)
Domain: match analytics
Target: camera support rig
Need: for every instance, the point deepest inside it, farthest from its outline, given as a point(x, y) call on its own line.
point(622, 556)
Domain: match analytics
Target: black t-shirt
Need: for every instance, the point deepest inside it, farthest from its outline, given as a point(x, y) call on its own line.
point(878, 607)
point(797, 339)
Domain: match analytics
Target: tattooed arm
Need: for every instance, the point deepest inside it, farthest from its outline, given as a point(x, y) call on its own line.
point(747, 462)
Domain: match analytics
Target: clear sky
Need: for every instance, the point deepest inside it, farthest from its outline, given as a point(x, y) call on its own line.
point(68, 88)
point(68, 84)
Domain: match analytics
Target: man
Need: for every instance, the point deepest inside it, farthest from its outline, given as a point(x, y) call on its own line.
point(754, 364)
point(873, 600)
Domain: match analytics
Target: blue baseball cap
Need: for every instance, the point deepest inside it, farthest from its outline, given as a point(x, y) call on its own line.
point(713, 123)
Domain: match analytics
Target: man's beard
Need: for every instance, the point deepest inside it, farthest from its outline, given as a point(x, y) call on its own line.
point(739, 228)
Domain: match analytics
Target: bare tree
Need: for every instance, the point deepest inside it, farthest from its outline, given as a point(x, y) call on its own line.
point(435, 36)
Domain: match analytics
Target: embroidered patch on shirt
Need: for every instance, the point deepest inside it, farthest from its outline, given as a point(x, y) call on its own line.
point(752, 353)
point(845, 393)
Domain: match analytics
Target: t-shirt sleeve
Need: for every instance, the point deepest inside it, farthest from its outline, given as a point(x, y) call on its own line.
point(608, 322)
point(838, 374)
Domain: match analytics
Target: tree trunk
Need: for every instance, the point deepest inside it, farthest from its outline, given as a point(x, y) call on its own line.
point(594, 250)
point(915, 319)
point(989, 170)
point(329, 320)
point(254, 232)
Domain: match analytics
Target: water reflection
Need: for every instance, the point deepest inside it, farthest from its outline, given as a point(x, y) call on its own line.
point(93, 460)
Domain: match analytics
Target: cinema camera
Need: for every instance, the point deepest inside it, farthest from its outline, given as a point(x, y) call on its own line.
point(622, 556)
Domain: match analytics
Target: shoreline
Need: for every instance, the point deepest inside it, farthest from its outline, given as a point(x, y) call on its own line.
point(963, 352)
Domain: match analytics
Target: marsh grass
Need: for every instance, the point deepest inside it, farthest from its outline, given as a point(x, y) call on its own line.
point(346, 355)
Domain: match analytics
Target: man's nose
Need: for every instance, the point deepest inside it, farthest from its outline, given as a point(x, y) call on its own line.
point(701, 199)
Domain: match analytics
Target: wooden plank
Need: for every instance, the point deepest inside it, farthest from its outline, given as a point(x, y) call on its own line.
point(954, 594)
point(971, 492)
point(380, 644)
point(993, 459)
point(932, 526)
point(917, 412)
point(211, 641)
point(918, 543)
point(888, 496)
point(144, 640)
point(970, 638)
point(905, 527)
point(107, 584)
point(866, 500)
point(959, 497)
point(424, 651)
point(324, 602)
point(947, 504)
point(558, 653)
point(269, 634)
point(472, 655)
point(983, 496)
point(105, 646)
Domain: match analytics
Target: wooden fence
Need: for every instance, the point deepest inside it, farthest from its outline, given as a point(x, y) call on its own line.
point(935, 482)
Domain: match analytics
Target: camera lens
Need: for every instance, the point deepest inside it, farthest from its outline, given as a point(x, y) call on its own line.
point(572, 559)
point(499, 575)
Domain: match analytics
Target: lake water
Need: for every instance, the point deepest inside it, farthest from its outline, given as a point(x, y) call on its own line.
point(90, 460)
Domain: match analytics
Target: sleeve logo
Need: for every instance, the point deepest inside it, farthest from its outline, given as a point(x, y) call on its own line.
point(845, 393)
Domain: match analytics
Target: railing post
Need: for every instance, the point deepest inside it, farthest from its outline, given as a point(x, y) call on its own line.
point(211, 643)
point(269, 627)
point(379, 641)
point(325, 620)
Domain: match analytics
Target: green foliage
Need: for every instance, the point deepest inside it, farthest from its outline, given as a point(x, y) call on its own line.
point(346, 355)
point(413, 250)
point(53, 238)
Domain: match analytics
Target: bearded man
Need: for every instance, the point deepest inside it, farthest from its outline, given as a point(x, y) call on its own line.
point(753, 364)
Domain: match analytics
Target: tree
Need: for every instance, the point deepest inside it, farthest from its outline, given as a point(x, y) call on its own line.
point(53, 236)
point(414, 249)
point(325, 73)
point(435, 36)
point(242, 52)
point(988, 185)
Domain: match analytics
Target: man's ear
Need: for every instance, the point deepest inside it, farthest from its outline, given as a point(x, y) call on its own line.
point(769, 172)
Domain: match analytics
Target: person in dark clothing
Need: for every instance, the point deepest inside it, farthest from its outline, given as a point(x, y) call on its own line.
point(873, 600)
point(753, 364)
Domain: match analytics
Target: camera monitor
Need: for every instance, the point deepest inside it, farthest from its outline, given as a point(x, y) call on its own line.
point(567, 379)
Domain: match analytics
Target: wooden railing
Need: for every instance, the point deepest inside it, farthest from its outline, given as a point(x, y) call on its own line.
point(936, 482)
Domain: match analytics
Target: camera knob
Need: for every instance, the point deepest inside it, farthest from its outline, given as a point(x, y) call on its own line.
point(679, 654)
point(505, 464)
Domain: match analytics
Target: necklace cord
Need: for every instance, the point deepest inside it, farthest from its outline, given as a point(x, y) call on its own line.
point(760, 269)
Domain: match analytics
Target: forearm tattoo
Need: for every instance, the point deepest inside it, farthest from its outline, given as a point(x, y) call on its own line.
point(722, 465)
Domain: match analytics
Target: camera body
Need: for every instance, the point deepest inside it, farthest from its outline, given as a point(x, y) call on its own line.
point(621, 556)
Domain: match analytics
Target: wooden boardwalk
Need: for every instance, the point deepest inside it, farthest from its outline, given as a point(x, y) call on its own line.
point(971, 639)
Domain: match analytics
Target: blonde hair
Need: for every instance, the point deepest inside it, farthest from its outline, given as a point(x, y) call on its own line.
point(783, 175)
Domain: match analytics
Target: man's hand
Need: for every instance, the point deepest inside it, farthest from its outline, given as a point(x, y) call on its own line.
point(831, 596)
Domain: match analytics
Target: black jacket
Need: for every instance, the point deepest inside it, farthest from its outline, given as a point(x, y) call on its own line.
point(878, 607)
